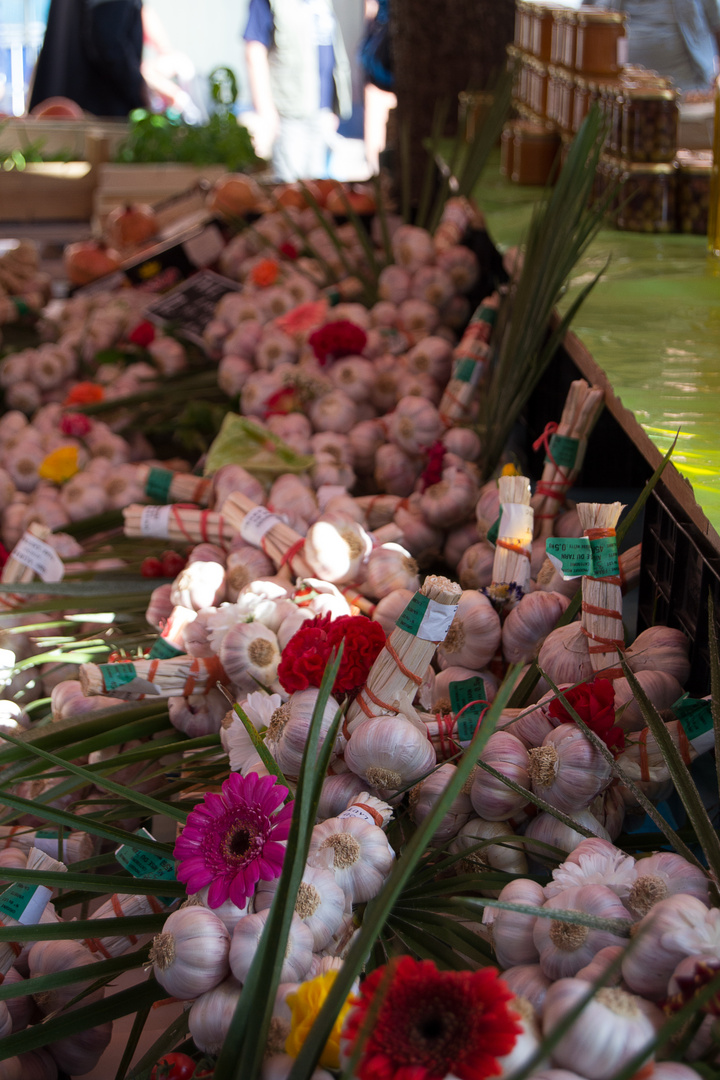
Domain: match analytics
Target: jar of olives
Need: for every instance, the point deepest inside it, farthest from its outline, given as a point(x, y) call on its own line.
point(598, 48)
point(694, 176)
point(649, 123)
point(648, 199)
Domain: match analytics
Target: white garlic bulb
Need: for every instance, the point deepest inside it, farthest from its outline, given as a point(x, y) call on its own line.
point(289, 729)
point(528, 981)
point(250, 655)
point(190, 956)
point(246, 938)
point(474, 635)
point(389, 752)
point(389, 568)
point(211, 1014)
point(564, 947)
point(567, 771)
point(528, 624)
point(425, 795)
point(451, 500)
point(548, 830)
point(414, 425)
point(491, 798)
point(337, 553)
point(357, 852)
point(512, 931)
point(506, 855)
point(564, 656)
point(658, 951)
point(665, 874)
point(320, 903)
point(199, 585)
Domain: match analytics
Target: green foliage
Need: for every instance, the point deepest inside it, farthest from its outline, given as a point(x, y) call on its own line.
point(167, 138)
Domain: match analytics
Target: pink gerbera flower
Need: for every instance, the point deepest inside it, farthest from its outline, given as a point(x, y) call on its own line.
point(231, 840)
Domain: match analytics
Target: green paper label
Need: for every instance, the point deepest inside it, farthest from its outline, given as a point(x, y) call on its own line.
point(605, 557)
point(411, 618)
point(464, 693)
point(426, 619)
point(24, 903)
point(158, 484)
point(465, 370)
point(163, 650)
point(695, 716)
point(47, 834)
point(22, 307)
point(494, 530)
point(143, 864)
point(563, 451)
point(571, 555)
point(485, 314)
point(117, 675)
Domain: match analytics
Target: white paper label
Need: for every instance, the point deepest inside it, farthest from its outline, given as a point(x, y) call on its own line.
point(357, 812)
point(623, 51)
point(436, 621)
point(155, 522)
point(326, 492)
point(258, 522)
point(206, 248)
point(39, 557)
point(25, 903)
point(516, 523)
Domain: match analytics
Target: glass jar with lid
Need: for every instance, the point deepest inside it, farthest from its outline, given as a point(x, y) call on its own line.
point(649, 123)
point(535, 148)
point(557, 39)
point(611, 108)
point(600, 42)
point(565, 104)
point(542, 30)
point(694, 176)
point(648, 198)
point(538, 78)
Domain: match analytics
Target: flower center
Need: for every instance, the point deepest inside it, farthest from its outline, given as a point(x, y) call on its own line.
point(646, 892)
point(542, 766)
point(308, 900)
point(346, 849)
point(383, 778)
point(567, 937)
point(618, 1002)
point(260, 652)
point(239, 842)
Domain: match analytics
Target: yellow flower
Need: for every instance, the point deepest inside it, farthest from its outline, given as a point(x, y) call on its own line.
point(305, 1004)
point(60, 465)
point(509, 470)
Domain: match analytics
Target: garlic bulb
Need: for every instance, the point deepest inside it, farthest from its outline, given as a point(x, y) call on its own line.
point(337, 553)
point(563, 947)
point(337, 790)
point(289, 729)
point(160, 607)
point(418, 537)
point(564, 656)
point(357, 852)
point(21, 1009)
point(389, 568)
point(246, 938)
point(320, 903)
point(199, 585)
point(491, 798)
point(529, 982)
point(433, 356)
point(228, 913)
point(665, 874)
point(600, 964)
point(530, 725)
point(512, 931)
point(424, 796)
point(366, 438)
point(451, 500)
point(395, 471)
point(414, 425)
point(567, 771)
point(389, 752)
point(190, 956)
point(506, 855)
point(199, 714)
point(250, 655)
point(244, 565)
point(334, 411)
point(528, 624)
point(662, 689)
point(476, 566)
point(211, 1014)
point(594, 862)
point(474, 634)
point(660, 948)
point(527, 1042)
point(389, 609)
point(548, 830)
point(393, 283)
point(661, 648)
point(79, 1054)
point(611, 1029)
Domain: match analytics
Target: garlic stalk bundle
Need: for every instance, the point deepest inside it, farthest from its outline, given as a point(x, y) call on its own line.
point(511, 567)
point(246, 938)
point(76, 846)
point(528, 981)
point(35, 909)
point(609, 1032)
point(182, 675)
point(602, 594)
point(564, 656)
point(424, 796)
point(320, 903)
point(564, 947)
point(491, 798)
point(507, 855)
point(661, 648)
point(662, 689)
point(474, 634)
point(512, 931)
point(389, 753)
point(337, 554)
point(389, 568)
point(529, 623)
point(665, 874)
point(357, 852)
point(594, 862)
point(176, 522)
point(211, 1014)
point(262, 529)
point(567, 771)
point(289, 729)
point(190, 956)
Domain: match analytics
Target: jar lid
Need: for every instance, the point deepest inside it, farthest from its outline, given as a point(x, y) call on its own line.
point(649, 93)
point(668, 168)
point(513, 52)
point(695, 162)
point(605, 18)
point(580, 83)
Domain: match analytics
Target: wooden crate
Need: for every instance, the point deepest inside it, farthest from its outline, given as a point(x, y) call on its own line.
point(120, 184)
point(48, 192)
point(69, 137)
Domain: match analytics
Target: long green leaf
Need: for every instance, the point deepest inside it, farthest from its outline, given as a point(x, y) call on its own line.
point(714, 681)
point(78, 930)
point(85, 823)
point(41, 984)
point(162, 1045)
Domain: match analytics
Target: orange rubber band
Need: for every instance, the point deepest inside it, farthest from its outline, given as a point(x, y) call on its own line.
point(417, 679)
point(683, 744)
point(508, 545)
point(291, 552)
point(609, 613)
point(377, 817)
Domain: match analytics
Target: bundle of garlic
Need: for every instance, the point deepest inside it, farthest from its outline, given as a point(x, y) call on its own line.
point(602, 594)
point(511, 566)
point(75, 846)
point(179, 675)
point(166, 486)
point(470, 361)
point(261, 528)
point(24, 905)
point(177, 522)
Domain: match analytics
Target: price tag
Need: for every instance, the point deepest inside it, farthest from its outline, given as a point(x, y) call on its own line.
point(155, 522)
point(469, 692)
point(39, 557)
point(258, 522)
point(164, 650)
point(426, 619)
point(605, 557)
point(25, 903)
point(116, 675)
point(357, 812)
point(144, 864)
point(695, 716)
point(563, 451)
point(158, 484)
point(571, 555)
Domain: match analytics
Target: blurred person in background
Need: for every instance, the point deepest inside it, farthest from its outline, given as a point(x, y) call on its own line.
point(677, 38)
point(300, 83)
point(377, 64)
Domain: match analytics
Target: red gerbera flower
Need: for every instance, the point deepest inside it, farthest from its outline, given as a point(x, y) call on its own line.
point(337, 339)
point(308, 651)
point(594, 702)
point(433, 1023)
point(84, 393)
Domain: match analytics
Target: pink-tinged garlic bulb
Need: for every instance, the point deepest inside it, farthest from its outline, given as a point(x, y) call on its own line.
point(675, 1070)
point(250, 655)
point(160, 607)
point(567, 771)
point(432, 356)
point(20, 1009)
point(512, 931)
point(233, 372)
point(451, 500)
point(334, 411)
point(291, 495)
point(246, 938)
point(390, 607)
point(390, 753)
point(168, 354)
point(564, 655)
point(190, 956)
point(661, 648)
point(414, 425)
point(357, 852)
point(662, 689)
point(527, 1042)
point(67, 699)
point(474, 635)
point(412, 248)
point(388, 387)
point(424, 796)
point(289, 729)
point(529, 725)
point(420, 538)
point(461, 264)
point(390, 568)
point(609, 1032)
point(337, 791)
point(432, 284)
point(548, 830)
point(662, 875)
point(245, 564)
point(394, 284)
point(365, 439)
point(231, 478)
point(454, 673)
point(211, 1015)
point(491, 798)
point(295, 429)
point(600, 964)
point(594, 862)
point(673, 929)
point(327, 470)
point(81, 500)
point(422, 386)
point(257, 390)
point(384, 312)
point(199, 585)
point(505, 855)
point(458, 541)
point(23, 463)
point(476, 565)
point(395, 471)
point(78, 1054)
point(527, 981)
point(564, 947)
point(355, 376)
point(487, 510)
point(528, 624)
point(196, 635)
point(462, 441)
point(609, 808)
point(274, 348)
point(199, 714)
point(207, 553)
point(320, 903)
point(23, 395)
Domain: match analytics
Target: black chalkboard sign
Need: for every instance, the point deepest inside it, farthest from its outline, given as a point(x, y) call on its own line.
point(189, 307)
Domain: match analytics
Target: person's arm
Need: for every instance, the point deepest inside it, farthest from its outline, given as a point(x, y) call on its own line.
point(258, 68)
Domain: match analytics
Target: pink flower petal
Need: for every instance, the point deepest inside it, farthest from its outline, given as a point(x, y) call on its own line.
point(218, 892)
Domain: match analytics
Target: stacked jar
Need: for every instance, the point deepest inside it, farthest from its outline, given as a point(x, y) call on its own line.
point(693, 201)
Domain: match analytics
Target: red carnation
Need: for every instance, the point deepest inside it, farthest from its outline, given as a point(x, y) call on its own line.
point(431, 1024)
point(289, 250)
point(76, 425)
point(337, 339)
point(308, 651)
point(432, 473)
point(143, 334)
point(594, 702)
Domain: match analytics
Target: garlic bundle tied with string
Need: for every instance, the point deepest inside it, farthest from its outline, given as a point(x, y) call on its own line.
point(511, 566)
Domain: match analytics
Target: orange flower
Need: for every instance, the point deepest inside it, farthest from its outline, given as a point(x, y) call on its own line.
point(264, 273)
point(84, 393)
